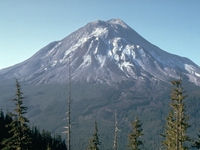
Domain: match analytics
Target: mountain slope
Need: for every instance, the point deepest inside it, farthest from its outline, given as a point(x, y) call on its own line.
point(113, 68)
point(104, 52)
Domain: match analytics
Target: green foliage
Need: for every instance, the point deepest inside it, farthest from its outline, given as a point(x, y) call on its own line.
point(15, 133)
point(196, 143)
point(94, 141)
point(4, 120)
point(134, 137)
point(47, 108)
point(39, 141)
point(18, 127)
point(169, 133)
point(43, 140)
point(176, 125)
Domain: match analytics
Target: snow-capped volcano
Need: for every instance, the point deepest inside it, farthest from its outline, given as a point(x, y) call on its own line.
point(103, 51)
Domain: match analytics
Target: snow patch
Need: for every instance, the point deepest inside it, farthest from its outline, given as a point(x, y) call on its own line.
point(126, 68)
point(54, 63)
point(116, 57)
point(96, 49)
point(99, 32)
point(126, 64)
point(190, 68)
point(117, 22)
point(198, 75)
point(101, 59)
point(129, 51)
point(87, 61)
point(52, 50)
point(138, 46)
point(70, 51)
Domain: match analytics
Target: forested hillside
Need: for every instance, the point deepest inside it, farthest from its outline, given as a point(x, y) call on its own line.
point(17, 134)
point(140, 125)
point(40, 139)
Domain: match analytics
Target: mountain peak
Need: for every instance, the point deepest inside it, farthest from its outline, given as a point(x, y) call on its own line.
point(110, 23)
point(118, 22)
point(103, 51)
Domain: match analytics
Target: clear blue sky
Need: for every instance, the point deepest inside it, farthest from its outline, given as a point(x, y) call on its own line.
point(27, 26)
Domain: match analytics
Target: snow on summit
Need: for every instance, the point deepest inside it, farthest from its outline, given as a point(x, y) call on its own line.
point(103, 51)
point(118, 22)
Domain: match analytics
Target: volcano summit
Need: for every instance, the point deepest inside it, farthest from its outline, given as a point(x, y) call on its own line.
point(103, 52)
point(112, 68)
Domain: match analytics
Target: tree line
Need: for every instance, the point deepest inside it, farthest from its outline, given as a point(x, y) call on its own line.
point(17, 135)
point(175, 135)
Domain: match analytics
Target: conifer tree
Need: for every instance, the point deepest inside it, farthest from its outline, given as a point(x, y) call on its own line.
point(196, 143)
point(169, 133)
point(2, 127)
point(5, 120)
point(18, 127)
point(134, 141)
point(176, 125)
point(94, 141)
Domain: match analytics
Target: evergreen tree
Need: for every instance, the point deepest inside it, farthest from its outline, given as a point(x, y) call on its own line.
point(2, 128)
point(169, 133)
point(196, 143)
point(134, 141)
point(48, 147)
point(94, 141)
point(176, 125)
point(44, 141)
point(39, 141)
point(18, 127)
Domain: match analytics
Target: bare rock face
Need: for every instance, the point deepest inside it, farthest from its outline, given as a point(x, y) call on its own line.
point(103, 52)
